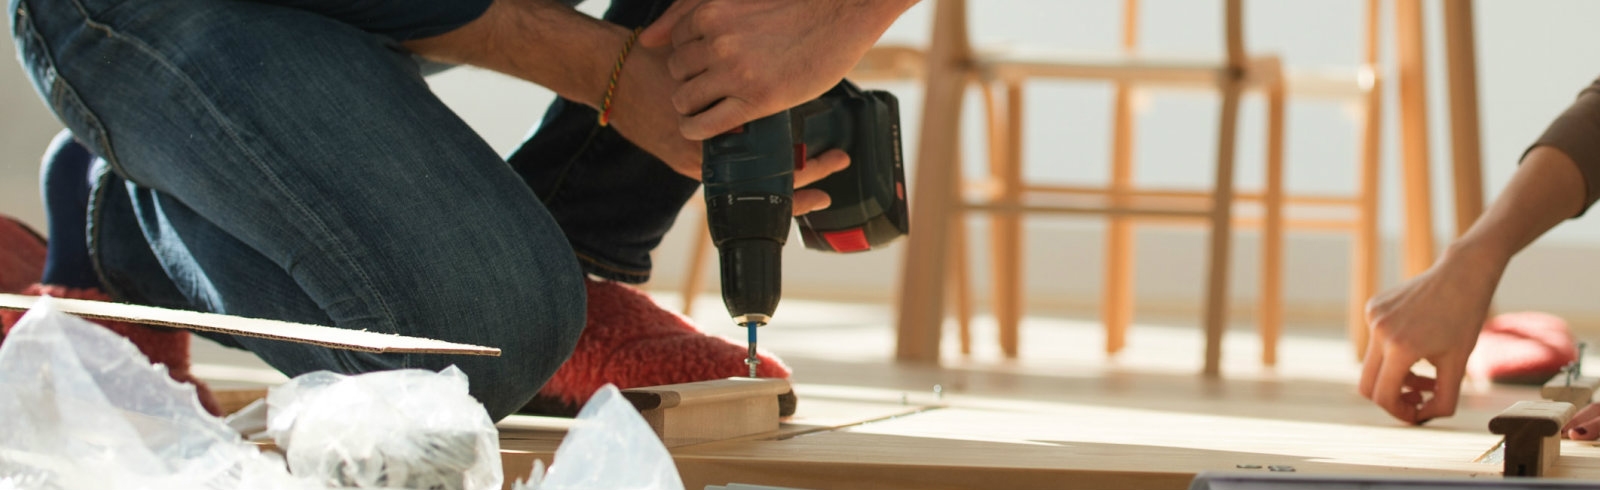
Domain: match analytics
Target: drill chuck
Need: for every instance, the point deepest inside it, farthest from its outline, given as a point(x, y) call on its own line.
point(750, 231)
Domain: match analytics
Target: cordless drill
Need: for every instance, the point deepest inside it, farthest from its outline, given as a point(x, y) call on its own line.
point(749, 190)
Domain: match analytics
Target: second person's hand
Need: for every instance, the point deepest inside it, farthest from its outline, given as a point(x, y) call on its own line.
point(1435, 317)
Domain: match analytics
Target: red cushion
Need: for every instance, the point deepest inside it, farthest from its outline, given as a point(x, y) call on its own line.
point(1524, 347)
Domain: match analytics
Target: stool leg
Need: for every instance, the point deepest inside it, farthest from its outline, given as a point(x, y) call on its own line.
point(1007, 232)
point(920, 302)
point(960, 289)
point(1364, 250)
point(1271, 308)
point(694, 277)
point(1216, 309)
point(1413, 93)
point(1117, 306)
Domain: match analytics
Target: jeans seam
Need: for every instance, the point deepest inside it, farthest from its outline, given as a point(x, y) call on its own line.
point(68, 92)
point(244, 150)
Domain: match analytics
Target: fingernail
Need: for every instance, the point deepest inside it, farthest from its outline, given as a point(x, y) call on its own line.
point(1580, 431)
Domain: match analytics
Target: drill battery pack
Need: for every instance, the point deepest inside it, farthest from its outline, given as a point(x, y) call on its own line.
point(869, 208)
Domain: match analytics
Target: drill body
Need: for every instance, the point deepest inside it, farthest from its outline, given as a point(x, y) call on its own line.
point(749, 190)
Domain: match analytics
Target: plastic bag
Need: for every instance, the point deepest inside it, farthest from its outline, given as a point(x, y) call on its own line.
point(609, 446)
point(392, 429)
point(81, 408)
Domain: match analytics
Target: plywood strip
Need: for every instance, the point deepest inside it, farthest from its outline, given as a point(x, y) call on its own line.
point(337, 338)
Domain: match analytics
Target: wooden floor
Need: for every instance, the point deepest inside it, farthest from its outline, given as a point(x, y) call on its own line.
point(1063, 416)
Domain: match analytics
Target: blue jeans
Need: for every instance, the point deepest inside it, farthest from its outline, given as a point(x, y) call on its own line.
point(270, 162)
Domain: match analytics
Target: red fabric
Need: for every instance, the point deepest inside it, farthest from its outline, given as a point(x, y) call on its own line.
point(22, 255)
point(1525, 347)
point(166, 346)
point(631, 342)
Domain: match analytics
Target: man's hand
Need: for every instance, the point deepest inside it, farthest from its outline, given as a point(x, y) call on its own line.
point(643, 114)
point(1435, 317)
point(515, 38)
point(740, 60)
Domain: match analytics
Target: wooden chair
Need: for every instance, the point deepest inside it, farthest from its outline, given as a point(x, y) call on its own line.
point(941, 203)
point(1005, 186)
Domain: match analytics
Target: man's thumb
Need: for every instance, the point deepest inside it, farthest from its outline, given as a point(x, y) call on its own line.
point(659, 33)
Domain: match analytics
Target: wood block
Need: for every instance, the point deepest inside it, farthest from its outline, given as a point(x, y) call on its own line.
point(231, 401)
point(1533, 435)
point(1579, 391)
point(694, 413)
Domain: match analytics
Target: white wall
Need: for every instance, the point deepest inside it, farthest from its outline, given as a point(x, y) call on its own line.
point(1533, 57)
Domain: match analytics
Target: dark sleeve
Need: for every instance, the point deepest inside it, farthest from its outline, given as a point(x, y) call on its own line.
point(402, 20)
point(1577, 133)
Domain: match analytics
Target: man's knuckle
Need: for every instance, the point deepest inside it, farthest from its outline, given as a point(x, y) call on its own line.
point(723, 46)
point(710, 14)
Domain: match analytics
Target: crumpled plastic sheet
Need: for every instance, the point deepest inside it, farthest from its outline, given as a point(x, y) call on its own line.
point(406, 428)
point(82, 409)
point(609, 446)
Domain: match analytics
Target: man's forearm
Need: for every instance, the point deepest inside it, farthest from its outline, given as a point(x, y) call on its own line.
point(1547, 189)
point(541, 41)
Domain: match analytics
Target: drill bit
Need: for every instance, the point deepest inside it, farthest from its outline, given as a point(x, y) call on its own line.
point(751, 360)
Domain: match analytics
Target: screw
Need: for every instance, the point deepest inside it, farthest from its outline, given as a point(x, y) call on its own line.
point(938, 391)
point(1247, 466)
point(1282, 468)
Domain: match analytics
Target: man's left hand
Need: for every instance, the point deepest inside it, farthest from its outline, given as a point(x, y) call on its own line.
point(740, 60)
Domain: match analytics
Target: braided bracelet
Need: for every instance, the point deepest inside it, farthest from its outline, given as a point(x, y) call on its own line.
point(616, 73)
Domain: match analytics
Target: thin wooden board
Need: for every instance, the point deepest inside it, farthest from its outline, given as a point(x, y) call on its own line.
point(357, 340)
point(524, 439)
point(1033, 445)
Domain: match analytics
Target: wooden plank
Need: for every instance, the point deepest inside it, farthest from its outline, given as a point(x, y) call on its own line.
point(337, 338)
point(524, 439)
point(1533, 435)
point(1045, 445)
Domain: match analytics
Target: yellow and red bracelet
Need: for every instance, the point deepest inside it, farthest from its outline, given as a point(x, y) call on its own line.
point(616, 73)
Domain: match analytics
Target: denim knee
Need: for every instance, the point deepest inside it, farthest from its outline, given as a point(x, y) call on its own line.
point(506, 384)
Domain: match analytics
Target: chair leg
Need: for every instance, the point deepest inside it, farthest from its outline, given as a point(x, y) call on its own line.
point(1117, 305)
point(1270, 309)
point(694, 277)
point(920, 304)
point(960, 288)
point(1413, 93)
point(1216, 309)
point(1364, 250)
point(1007, 232)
